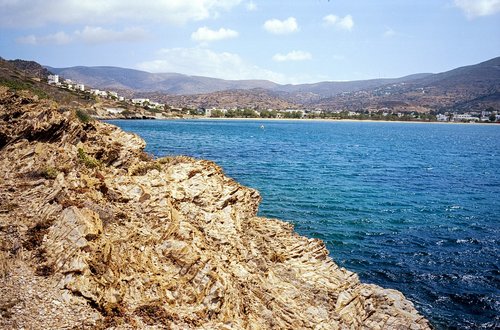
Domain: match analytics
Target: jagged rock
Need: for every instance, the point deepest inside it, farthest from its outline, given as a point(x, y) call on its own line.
point(95, 233)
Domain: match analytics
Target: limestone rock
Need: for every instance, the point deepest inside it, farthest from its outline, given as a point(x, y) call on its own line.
point(95, 233)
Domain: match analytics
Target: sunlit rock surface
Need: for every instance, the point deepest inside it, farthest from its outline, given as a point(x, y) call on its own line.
point(96, 234)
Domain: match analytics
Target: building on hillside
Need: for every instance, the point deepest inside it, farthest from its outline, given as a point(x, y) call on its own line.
point(98, 92)
point(80, 87)
point(156, 105)
point(53, 79)
point(140, 101)
point(115, 111)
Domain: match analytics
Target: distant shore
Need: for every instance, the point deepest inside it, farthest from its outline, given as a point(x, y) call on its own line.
point(306, 120)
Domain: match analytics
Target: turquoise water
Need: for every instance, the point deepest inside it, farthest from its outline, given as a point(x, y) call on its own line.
point(414, 207)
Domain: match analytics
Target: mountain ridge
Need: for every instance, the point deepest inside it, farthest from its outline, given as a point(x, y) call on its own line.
point(182, 84)
point(469, 88)
point(473, 87)
point(142, 81)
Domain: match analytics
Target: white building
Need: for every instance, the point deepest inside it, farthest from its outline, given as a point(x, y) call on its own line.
point(115, 110)
point(98, 92)
point(140, 101)
point(464, 117)
point(53, 79)
point(441, 117)
point(80, 87)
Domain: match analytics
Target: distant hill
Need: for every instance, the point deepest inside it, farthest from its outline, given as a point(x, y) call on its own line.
point(107, 77)
point(257, 98)
point(471, 87)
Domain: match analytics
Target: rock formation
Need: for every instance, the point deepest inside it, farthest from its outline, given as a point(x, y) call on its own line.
point(94, 233)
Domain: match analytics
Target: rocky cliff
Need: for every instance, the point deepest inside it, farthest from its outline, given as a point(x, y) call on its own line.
point(94, 233)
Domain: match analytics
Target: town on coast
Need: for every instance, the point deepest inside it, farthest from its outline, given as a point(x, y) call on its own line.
point(111, 105)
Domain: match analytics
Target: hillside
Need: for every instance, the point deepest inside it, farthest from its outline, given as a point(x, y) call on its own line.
point(257, 98)
point(21, 75)
point(105, 77)
point(30, 68)
point(178, 84)
point(474, 87)
point(28, 75)
point(308, 93)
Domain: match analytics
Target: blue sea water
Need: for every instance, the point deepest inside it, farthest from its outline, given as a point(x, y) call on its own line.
point(414, 207)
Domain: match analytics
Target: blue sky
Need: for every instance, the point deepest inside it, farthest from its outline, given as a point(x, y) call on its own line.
point(295, 41)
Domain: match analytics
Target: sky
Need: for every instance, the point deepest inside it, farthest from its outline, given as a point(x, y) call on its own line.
point(294, 41)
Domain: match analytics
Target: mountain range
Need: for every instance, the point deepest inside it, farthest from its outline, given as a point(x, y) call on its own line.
point(108, 77)
point(471, 87)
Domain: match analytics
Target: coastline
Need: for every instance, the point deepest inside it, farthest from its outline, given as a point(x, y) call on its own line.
point(304, 120)
point(111, 236)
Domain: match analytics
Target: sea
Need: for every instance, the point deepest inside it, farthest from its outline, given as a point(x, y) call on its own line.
point(409, 206)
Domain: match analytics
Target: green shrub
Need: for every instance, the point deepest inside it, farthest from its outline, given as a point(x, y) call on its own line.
point(49, 172)
point(89, 161)
point(21, 85)
point(83, 116)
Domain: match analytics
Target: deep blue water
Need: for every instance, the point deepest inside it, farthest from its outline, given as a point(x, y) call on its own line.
point(414, 207)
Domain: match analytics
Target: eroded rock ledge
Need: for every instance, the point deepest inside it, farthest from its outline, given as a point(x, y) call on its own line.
point(95, 234)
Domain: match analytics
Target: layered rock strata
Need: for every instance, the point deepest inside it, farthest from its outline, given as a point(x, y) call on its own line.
point(94, 233)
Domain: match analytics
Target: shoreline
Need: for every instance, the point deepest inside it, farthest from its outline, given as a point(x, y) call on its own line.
point(183, 220)
point(305, 120)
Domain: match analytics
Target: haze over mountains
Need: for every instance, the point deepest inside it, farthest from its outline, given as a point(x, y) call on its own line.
point(466, 88)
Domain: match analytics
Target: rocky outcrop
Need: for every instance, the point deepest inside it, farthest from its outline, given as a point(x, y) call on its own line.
point(94, 233)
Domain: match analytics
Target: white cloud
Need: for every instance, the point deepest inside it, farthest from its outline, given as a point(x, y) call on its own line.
point(94, 12)
point(276, 26)
point(204, 34)
point(251, 6)
point(96, 35)
point(296, 55)
point(330, 19)
point(90, 35)
point(344, 23)
point(476, 8)
point(205, 62)
point(59, 38)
